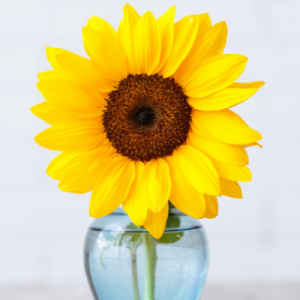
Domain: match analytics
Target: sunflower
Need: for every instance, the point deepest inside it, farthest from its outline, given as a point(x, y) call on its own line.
point(146, 119)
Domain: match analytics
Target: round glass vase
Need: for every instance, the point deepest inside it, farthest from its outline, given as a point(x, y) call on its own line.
point(124, 262)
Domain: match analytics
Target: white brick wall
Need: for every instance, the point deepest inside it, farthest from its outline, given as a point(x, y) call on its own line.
point(42, 229)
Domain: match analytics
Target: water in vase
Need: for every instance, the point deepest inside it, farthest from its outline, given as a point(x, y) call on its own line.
point(124, 262)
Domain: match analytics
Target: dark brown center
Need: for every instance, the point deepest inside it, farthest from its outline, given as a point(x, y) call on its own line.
point(147, 117)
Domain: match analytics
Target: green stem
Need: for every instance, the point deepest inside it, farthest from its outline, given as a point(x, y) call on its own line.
point(134, 273)
point(150, 257)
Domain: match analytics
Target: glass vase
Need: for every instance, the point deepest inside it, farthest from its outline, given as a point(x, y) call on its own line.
point(124, 262)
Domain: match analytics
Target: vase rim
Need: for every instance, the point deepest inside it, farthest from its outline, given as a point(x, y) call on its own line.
point(172, 212)
point(186, 222)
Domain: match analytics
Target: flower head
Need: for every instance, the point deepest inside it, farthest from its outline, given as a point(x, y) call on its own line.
point(146, 119)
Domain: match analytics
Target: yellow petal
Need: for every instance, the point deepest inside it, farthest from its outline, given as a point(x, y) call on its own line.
point(213, 43)
point(183, 195)
point(247, 85)
point(204, 25)
point(69, 96)
point(47, 112)
point(68, 65)
point(71, 137)
point(224, 126)
point(156, 222)
point(51, 55)
point(82, 178)
point(215, 74)
point(57, 72)
point(212, 207)
point(136, 204)
point(226, 98)
point(229, 154)
point(86, 70)
point(230, 188)
point(234, 173)
point(54, 115)
point(210, 43)
point(197, 169)
point(106, 53)
point(102, 26)
point(112, 186)
point(52, 74)
point(253, 144)
point(147, 44)
point(166, 28)
point(157, 184)
point(63, 164)
point(126, 34)
point(185, 32)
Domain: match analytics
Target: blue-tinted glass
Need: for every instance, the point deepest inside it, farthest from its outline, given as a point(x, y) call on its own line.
point(173, 267)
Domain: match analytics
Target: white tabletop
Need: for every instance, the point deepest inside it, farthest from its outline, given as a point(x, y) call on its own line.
point(212, 292)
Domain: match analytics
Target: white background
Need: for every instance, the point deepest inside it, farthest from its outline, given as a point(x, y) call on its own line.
point(42, 229)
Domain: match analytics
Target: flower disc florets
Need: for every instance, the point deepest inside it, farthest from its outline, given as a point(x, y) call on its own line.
point(147, 117)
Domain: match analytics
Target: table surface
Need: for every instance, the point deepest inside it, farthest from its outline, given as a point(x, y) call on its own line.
point(274, 291)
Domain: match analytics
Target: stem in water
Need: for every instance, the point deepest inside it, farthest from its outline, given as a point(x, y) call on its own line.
point(134, 273)
point(150, 257)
